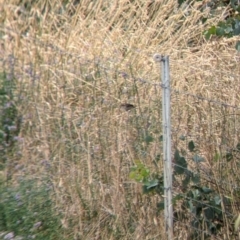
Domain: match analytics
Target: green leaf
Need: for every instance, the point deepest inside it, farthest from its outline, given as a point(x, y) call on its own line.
point(209, 213)
point(228, 30)
point(217, 200)
point(229, 156)
point(189, 173)
point(180, 165)
point(189, 194)
point(207, 190)
point(220, 31)
point(212, 30)
point(148, 139)
point(198, 159)
point(135, 176)
point(204, 19)
point(151, 184)
point(209, 32)
point(186, 181)
point(196, 193)
point(176, 156)
point(161, 138)
point(191, 146)
point(182, 162)
point(160, 206)
point(236, 29)
point(196, 178)
point(146, 190)
point(207, 35)
point(139, 173)
point(188, 177)
point(178, 170)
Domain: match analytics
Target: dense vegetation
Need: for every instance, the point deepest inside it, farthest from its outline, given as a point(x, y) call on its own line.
point(81, 129)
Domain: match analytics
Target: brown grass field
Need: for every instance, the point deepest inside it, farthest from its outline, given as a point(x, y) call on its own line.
point(75, 64)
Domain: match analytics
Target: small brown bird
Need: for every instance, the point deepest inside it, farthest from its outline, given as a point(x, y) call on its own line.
point(127, 106)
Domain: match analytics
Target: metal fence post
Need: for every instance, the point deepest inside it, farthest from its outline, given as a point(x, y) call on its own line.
point(168, 210)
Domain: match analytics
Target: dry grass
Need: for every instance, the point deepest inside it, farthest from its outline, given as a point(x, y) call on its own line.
point(76, 64)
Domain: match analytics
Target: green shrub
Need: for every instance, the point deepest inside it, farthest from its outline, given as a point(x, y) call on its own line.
point(9, 118)
point(27, 211)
